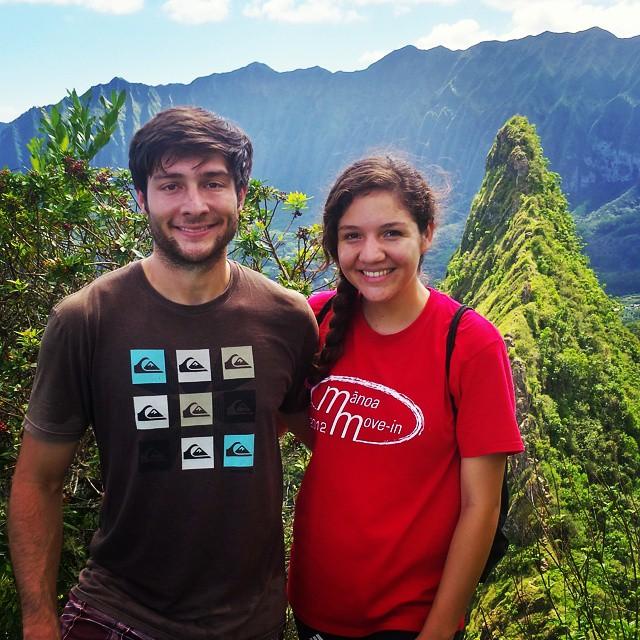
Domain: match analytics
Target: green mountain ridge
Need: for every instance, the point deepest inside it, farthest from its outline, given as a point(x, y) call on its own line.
point(575, 518)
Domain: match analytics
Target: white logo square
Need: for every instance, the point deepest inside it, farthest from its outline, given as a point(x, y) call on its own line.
point(194, 365)
point(237, 362)
point(197, 453)
point(151, 412)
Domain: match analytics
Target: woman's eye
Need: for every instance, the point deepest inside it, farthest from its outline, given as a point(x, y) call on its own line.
point(349, 236)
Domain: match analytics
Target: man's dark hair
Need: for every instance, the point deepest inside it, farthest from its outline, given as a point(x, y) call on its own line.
point(181, 132)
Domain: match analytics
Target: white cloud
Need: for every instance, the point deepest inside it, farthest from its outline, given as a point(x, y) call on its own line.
point(318, 11)
point(402, 7)
point(459, 35)
point(408, 3)
point(307, 11)
point(531, 17)
point(118, 7)
point(621, 17)
point(196, 11)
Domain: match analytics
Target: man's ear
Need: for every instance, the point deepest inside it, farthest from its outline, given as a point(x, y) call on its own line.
point(141, 200)
point(242, 194)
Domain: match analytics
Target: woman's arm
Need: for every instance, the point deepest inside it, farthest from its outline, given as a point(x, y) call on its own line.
point(480, 486)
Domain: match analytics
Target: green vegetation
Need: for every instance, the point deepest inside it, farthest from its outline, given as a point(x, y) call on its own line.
point(576, 513)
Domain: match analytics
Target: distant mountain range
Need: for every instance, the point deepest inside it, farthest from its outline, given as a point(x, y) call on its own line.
point(439, 107)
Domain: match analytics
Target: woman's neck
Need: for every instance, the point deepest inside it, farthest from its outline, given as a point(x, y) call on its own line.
point(395, 315)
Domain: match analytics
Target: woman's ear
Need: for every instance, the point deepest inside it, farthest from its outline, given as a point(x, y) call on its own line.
point(427, 237)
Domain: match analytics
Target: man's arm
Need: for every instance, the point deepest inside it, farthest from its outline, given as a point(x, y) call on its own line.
point(298, 424)
point(481, 483)
point(35, 531)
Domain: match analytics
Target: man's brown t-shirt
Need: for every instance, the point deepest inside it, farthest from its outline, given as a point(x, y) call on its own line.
point(182, 401)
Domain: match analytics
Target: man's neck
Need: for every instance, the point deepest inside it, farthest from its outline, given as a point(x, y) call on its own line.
point(187, 286)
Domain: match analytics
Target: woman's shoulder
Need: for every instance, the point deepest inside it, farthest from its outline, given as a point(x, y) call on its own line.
point(474, 333)
point(319, 299)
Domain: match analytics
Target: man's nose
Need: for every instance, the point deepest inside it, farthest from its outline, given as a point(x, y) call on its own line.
point(194, 201)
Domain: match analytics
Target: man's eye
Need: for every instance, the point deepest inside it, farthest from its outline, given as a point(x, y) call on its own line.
point(215, 185)
point(169, 187)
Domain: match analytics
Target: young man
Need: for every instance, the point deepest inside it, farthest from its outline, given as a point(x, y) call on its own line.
point(180, 363)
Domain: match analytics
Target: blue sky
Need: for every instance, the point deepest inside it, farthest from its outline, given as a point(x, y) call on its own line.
point(49, 46)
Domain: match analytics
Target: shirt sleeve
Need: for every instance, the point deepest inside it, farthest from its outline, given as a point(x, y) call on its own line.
point(484, 395)
point(60, 398)
point(297, 398)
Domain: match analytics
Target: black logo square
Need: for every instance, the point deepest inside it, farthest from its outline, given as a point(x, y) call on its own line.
point(239, 406)
point(154, 455)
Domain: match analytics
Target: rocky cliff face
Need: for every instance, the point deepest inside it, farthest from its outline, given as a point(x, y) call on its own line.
point(439, 107)
point(576, 371)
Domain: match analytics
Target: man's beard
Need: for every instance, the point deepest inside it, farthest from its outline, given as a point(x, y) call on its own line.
point(169, 250)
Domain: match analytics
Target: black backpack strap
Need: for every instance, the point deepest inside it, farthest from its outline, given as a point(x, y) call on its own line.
point(500, 540)
point(326, 307)
point(451, 343)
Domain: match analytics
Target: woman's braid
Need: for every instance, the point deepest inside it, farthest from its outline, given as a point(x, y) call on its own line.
point(342, 307)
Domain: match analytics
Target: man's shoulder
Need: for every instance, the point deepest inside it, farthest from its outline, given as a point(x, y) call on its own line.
point(271, 292)
point(116, 281)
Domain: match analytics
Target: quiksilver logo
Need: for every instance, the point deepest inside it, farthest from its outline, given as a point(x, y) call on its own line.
point(194, 410)
point(236, 362)
point(237, 449)
point(146, 365)
point(149, 413)
point(239, 408)
point(190, 365)
point(152, 454)
point(194, 452)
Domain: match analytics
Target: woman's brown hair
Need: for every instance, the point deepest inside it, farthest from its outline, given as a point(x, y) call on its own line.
point(377, 173)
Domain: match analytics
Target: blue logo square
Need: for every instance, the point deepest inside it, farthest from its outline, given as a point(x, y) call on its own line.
point(238, 450)
point(148, 366)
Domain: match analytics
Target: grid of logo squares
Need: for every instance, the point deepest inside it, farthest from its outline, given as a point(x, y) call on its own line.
point(151, 412)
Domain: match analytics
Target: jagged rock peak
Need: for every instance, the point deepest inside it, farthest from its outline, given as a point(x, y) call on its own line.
point(515, 167)
point(517, 147)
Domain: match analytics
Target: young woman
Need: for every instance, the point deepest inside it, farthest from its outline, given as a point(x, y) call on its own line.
point(399, 504)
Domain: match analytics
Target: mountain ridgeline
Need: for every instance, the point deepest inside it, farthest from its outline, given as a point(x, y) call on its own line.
point(575, 516)
point(439, 107)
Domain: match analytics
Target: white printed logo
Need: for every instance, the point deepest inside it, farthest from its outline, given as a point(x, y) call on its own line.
point(364, 411)
point(194, 365)
point(196, 409)
point(197, 453)
point(237, 362)
point(151, 412)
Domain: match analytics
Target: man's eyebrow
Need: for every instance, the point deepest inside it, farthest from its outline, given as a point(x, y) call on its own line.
point(164, 175)
point(222, 173)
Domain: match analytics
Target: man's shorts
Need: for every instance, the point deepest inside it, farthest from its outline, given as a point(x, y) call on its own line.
point(81, 621)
